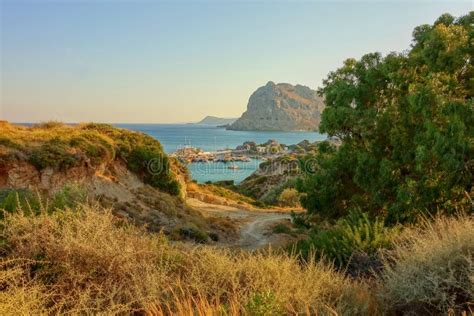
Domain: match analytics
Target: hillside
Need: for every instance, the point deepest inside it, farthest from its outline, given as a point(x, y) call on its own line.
point(281, 107)
point(124, 170)
point(213, 120)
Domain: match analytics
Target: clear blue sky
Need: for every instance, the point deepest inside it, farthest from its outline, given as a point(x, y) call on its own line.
point(149, 61)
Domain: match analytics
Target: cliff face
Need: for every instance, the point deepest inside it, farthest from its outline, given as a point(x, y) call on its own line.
point(281, 107)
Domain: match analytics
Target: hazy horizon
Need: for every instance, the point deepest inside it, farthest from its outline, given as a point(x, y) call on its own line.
point(164, 62)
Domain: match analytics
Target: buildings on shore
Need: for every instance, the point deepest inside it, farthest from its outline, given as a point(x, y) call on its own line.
point(244, 152)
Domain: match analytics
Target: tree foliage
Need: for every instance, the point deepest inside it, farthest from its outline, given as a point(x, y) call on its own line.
point(406, 122)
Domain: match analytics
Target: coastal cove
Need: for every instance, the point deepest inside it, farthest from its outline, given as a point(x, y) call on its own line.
point(210, 138)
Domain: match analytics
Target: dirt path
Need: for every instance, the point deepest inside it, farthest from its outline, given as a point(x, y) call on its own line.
point(254, 225)
point(254, 234)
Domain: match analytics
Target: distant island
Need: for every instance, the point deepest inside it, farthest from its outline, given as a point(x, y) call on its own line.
point(281, 107)
point(217, 121)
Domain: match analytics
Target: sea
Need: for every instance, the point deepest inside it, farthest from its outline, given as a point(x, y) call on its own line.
point(211, 138)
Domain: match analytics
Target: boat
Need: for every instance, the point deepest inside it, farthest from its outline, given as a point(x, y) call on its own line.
point(200, 159)
point(233, 167)
point(242, 158)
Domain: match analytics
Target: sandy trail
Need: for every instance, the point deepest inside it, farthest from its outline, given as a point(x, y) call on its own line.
point(253, 224)
point(252, 234)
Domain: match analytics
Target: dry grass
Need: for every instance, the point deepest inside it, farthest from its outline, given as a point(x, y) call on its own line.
point(221, 192)
point(19, 296)
point(431, 270)
point(85, 261)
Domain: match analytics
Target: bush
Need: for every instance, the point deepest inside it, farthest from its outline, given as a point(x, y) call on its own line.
point(53, 154)
point(194, 233)
point(431, 269)
point(12, 200)
point(229, 192)
point(67, 197)
point(5, 141)
point(289, 197)
point(49, 125)
point(281, 229)
point(258, 203)
point(264, 304)
point(355, 233)
point(96, 147)
point(33, 203)
point(300, 220)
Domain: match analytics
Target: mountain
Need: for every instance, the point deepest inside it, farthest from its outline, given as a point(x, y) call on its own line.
point(213, 120)
point(281, 107)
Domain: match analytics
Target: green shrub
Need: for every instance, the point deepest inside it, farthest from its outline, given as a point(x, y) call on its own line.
point(230, 192)
point(258, 203)
point(150, 161)
point(300, 220)
point(264, 304)
point(53, 154)
point(49, 125)
point(355, 233)
point(289, 197)
point(143, 154)
point(213, 236)
point(12, 200)
point(32, 203)
point(5, 141)
point(281, 229)
point(68, 197)
point(194, 233)
point(95, 146)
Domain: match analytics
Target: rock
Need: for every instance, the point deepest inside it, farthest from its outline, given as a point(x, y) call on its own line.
point(281, 107)
point(21, 175)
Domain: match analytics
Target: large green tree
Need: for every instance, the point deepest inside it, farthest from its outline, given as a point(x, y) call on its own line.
point(406, 123)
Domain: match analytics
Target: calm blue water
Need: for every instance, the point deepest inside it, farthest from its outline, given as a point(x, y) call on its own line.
point(210, 138)
point(219, 171)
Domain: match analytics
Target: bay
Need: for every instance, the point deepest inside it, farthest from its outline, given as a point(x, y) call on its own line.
point(210, 138)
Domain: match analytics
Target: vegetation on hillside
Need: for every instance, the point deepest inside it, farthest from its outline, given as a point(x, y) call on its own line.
point(272, 178)
point(61, 147)
point(85, 260)
point(33, 203)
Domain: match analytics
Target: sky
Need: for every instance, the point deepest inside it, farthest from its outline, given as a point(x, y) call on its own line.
point(149, 61)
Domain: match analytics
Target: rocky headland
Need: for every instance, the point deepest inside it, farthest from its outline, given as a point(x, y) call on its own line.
point(281, 107)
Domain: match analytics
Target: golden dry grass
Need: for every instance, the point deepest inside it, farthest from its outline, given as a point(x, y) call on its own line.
point(85, 261)
point(431, 270)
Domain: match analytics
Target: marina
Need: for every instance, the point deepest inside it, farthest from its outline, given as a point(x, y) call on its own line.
point(190, 154)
